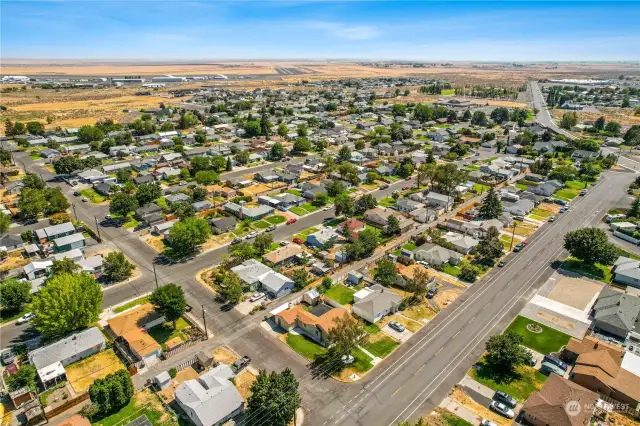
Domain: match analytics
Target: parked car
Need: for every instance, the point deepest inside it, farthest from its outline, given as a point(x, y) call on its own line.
point(525, 243)
point(432, 292)
point(423, 263)
point(271, 228)
point(236, 241)
point(501, 264)
point(25, 318)
point(240, 364)
point(327, 208)
point(404, 188)
point(561, 202)
point(284, 243)
point(583, 192)
point(384, 186)
point(8, 357)
point(555, 361)
point(564, 209)
point(256, 296)
point(487, 422)
point(292, 220)
point(85, 199)
point(518, 217)
point(551, 219)
point(518, 247)
point(76, 193)
point(505, 398)
point(298, 241)
point(502, 409)
point(252, 235)
point(396, 326)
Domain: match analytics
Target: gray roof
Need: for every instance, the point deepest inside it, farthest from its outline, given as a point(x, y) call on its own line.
point(379, 300)
point(617, 309)
point(52, 231)
point(440, 197)
point(627, 267)
point(274, 281)
point(10, 241)
point(224, 223)
point(289, 198)
point(436, 252)
point(69, 239)
point(212, 397)
point(250, 271)
point(66, 348)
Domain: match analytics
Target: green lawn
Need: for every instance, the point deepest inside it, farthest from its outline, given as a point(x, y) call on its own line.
point(162, 333)
point(453, 420)
point(92, 195)
point(35, 156)
point(362, 361)
point(131, 223)
point(341, 294)
point(275, 220)
point(448, 92)
point(294, 192)
point(521, 186)
point(261, 224)
point(451, 270)
point(371, 328)
point(303, 234)
point(542, 213)
point(298, 210)
point(162, 203)
point(506, 242)
point(382, 347)
point(409, 246)
point(549, 340)
point(131, 412)
point(575, 184)
point(480, 188)
point(387, 202)
point(596, 272)
point(129, 305)
point(472, 168)
point(523, 383)
point(566, 194)
point(309, 207)
point(305, 346)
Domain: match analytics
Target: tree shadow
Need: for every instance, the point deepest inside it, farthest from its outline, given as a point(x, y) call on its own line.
point(326, 365)
point(496, 373)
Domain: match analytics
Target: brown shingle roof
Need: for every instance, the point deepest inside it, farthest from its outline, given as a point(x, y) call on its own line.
point(141, 342)
point(133, 319)
point(325, 321)
point(590, 344)
point(549, 403)
point(283, 253)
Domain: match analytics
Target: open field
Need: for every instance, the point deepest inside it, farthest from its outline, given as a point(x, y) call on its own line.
point(623, 116)
point(83, 373)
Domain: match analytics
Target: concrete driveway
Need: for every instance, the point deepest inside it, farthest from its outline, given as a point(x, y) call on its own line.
point(403, 337)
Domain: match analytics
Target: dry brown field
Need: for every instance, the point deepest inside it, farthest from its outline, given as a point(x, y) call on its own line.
point(624, 116)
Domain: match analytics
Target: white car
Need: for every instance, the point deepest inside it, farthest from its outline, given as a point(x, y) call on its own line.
point(327, 208)
point(251, 235)
point(487, 422)
point(423, 263)
point(502, 409)
point(256, 296)
point(25, 318)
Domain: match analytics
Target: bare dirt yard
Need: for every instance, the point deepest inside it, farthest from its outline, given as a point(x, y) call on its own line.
point(624, 116)
point(83, 373)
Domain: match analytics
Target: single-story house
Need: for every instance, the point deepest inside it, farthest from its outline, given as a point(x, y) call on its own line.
point(434, 254)
point(222, 225)
point(50, 233)
point(406, 205)
point(435, 199)
point(131, 328)
point(519, 208)
point(250, 271)
point(69, 242)
point(379, 216)
point(283, 255)
point(252, 213)
point(616, 313)
point(11, 243)
point(276, 285)
point(373, 303)
point(315, 323)
point(37, 269)
point(50, 360)
point(407, 273)
point(627, 271)
point(352, 226)
point(289, 200)
point(177, 198)
point(201, 205)
point(322, 237)
point(139, 180)
point(462, 243)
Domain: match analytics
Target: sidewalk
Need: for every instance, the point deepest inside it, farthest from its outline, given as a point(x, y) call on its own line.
point(460, 411)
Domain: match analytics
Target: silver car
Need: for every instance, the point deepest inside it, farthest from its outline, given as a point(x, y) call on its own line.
point(502, 409)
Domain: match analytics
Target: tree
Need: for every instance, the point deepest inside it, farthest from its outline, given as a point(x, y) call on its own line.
point(147, 192)
point(123, 175)
point(207, 177)
point(366, 202)
point(368, 242)
point(231, 288)
point(613, 128)
point(591, 245)
point(505, 351)
point(14, 294)
point(634, 211)
point(393, 226)
point(632, 136)
point(199, 194)
point(23, 378)
point(169, 300)
point(87, 134)
point(425, 174)
point(111, 393)
point(347, 334)
point(67, 165)
point(262, 242)
point(479, 118)
point(265, 126)
point(187, 121)
point(300, 278)
point(469, 274)
point(492, 207)
point(5, 156)
point(418, 285)
point(242, 157)
point(282, 130)
point(5, 222)
point(626, 103)
point(490, 248)
point(200, 163)
point(344, 154)
point(277, 151)
point(320, 199)
point(67, 303)
point(302, 130)
point(122, 204)
point(385, 272)
point(500, 115)
point(187, 235)
point(57, 202)
point(33, 181)
point(276, 394)
point(335, 188)
point(117, 267)
point(563, 173)
point(344, 205)
point(32, 203)
point(569, 119)
point(229, 166)
point(599, 124)
point(218, 163)
point(242, 251)
point(64, 266)
point(301, 145)
point(420, 422)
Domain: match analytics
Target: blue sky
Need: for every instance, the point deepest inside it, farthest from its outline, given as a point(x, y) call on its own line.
point(380, 30)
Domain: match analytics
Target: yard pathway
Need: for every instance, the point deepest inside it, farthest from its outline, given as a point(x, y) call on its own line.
point(460, 411)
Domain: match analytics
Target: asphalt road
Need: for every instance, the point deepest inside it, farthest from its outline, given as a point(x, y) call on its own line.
point(544, 117)
point(420, 374)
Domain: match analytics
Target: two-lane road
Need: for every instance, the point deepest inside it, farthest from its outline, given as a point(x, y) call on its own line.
point(544, 116)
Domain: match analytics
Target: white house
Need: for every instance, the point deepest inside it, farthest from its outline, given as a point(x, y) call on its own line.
point(373, 303)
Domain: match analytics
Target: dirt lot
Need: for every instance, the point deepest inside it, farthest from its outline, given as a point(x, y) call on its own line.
point(623, 116)
point(83, 373)
point(576, 292)
point(446, 297)
point(409, 324)
point(244, 381)
point(155, 241)
point(15, 260)
point(225, 355)
point(168, 394)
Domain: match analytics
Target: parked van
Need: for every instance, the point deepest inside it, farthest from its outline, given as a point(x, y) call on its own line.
point(555, 361)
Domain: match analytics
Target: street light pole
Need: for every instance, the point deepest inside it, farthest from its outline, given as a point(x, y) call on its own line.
point(155, 274)
point(74, 211)
point(97, 226)
point(204, 320)
point(513, 233)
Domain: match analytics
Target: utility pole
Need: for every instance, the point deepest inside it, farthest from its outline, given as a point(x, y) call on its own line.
point(97, 227)
point(513, 233)
point(204, 320)
point(155, 274)
point(74, 211)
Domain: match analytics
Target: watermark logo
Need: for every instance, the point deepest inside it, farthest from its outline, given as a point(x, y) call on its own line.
point(573, 408)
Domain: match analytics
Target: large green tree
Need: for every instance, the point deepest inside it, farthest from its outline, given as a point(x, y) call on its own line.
point(14, 294)
point(169, 300)
point(32, 203)
point(117, 267)
point(274, 395)
point(147, 192)
point(344, 205)
point(262, 242)
point(347, 334)
point(5, 223)
point(24, 378)
point(122, 204)
point(385, 272)
point(231, 288)
point(492, 207)
point(505, 351)
point(64, 266)
point(111, 393)
point(187, 235)
point(67, 303)
point(591, 245)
